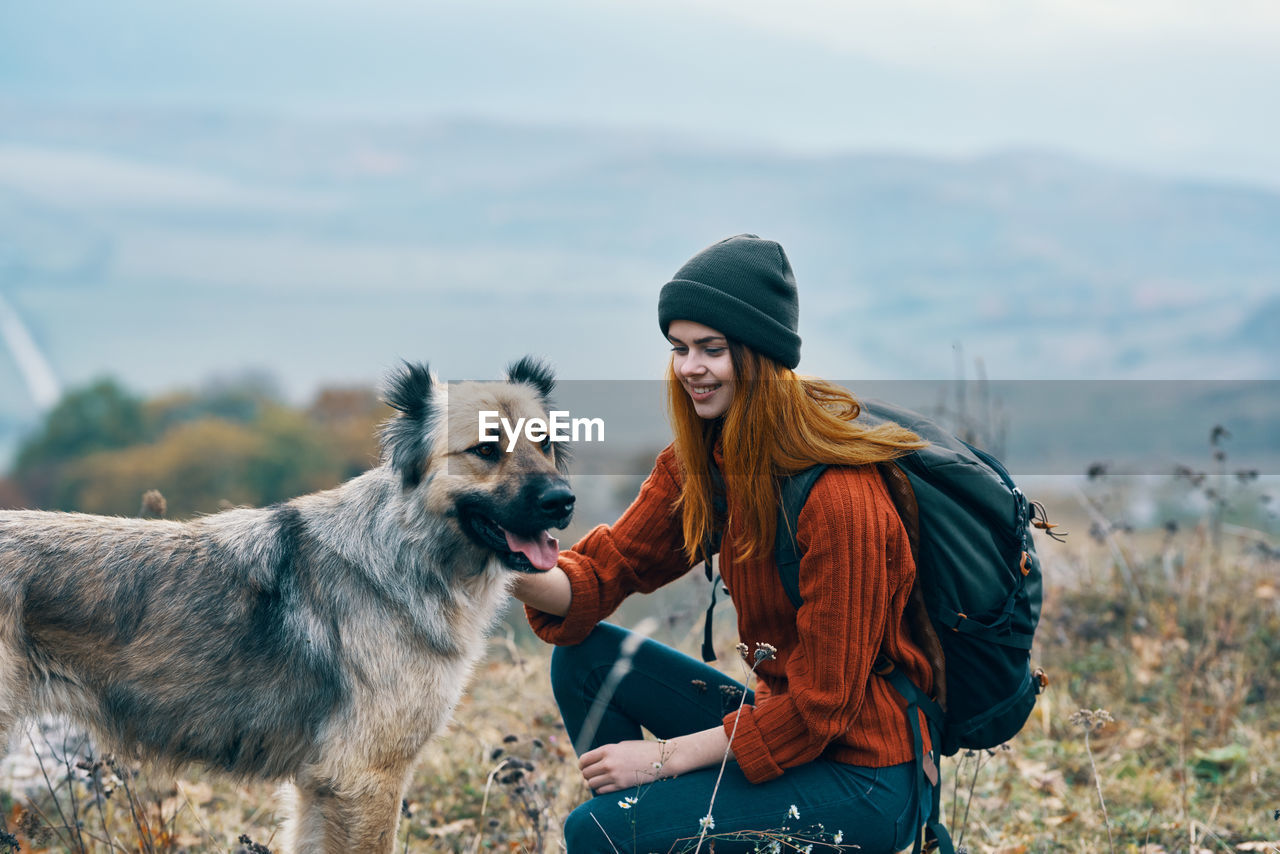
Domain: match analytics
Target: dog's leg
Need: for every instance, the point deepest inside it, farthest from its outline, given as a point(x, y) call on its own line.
point(295, 827)
point(311, 817)
point(372, 805)
point(361, 815)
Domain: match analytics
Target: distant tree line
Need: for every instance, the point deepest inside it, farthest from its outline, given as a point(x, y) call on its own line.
point(234, 443)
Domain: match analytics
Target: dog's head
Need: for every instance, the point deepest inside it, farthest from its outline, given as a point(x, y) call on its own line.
point(474, 455)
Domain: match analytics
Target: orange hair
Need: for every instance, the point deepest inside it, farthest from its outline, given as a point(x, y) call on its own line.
point(777, 424)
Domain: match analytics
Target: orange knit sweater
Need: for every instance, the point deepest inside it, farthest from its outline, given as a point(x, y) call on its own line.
point(818, 697)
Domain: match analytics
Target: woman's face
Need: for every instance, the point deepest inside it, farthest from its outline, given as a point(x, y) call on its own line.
point(700, 359)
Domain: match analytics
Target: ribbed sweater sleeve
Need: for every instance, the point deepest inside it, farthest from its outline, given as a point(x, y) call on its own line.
point(640, 552)
point(851, 571)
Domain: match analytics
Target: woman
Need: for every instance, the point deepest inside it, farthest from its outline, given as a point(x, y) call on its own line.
point(821, 750)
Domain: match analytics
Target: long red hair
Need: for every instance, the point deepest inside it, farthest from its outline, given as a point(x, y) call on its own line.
point(778, 423)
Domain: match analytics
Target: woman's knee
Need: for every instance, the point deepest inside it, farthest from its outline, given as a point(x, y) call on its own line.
point(584, 833)
point(570, 665)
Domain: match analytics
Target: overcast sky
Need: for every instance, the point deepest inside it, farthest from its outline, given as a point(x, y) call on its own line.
point(1181, 86)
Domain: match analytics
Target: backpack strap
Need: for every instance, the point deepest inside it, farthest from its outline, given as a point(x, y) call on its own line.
point(708, 648)
point(720, 509)
point(898, 485)
point(996, 631)
point(793, 492)
point(932, 836)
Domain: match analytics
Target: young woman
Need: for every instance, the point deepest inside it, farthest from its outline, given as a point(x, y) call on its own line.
point(821, 750)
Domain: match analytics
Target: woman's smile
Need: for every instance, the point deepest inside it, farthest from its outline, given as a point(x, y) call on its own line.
point(700, 358)
point(701, 391)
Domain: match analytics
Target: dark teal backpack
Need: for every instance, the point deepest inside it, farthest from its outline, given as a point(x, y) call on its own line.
point(978, 576)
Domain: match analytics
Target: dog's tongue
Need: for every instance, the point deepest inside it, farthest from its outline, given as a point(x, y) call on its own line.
point(542, 549)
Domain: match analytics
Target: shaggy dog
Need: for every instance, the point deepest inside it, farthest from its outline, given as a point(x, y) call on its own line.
point(321, 641)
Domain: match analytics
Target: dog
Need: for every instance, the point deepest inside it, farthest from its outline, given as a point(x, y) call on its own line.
point(319, 642)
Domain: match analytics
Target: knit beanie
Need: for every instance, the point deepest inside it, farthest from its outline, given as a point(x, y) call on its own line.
point(742, 286)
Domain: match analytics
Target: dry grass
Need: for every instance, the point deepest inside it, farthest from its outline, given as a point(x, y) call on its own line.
point(1173, 632)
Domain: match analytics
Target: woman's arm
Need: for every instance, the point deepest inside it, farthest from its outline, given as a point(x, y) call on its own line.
point(640, 552)
point(547, 591)
point(627, 764)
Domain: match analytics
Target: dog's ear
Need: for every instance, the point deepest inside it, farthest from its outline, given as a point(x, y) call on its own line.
point(406, 438)
point(535, 372)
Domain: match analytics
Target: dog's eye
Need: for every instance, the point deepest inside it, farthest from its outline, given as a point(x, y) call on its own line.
point(546, 446)
point(485, 450)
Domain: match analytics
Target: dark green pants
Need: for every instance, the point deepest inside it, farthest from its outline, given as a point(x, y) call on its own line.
point(670, 694)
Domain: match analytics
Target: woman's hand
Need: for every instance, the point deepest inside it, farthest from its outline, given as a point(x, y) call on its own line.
point(625, 765)
point(547, 591)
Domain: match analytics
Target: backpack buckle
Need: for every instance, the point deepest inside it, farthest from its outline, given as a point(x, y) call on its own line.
point(1041, 679)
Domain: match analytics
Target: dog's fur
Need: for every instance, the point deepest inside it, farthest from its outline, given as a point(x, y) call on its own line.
point(320, 641)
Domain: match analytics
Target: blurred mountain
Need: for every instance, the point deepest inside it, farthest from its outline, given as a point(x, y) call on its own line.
point(164, 247)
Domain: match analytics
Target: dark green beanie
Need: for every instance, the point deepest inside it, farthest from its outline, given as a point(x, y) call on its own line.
point(743, 287)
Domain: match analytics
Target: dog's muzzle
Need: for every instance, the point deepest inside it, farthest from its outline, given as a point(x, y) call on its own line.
point(522, 537)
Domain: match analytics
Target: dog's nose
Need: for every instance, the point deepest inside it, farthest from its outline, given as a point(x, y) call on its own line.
point(557, 501)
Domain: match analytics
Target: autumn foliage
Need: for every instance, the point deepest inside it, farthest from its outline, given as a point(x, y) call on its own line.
point(102, 447)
